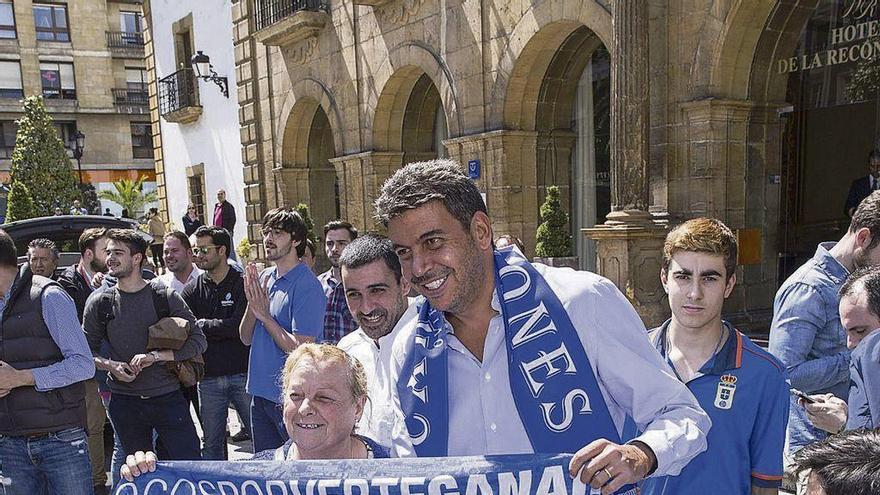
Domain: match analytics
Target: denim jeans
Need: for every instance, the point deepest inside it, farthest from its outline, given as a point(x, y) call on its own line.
point(134, 419)
point(215, 395)
point(267, 424)
point(55, 463)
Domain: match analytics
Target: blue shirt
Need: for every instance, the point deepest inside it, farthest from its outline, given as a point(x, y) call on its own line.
point(297, 302)
point(864, 388)
point(59, 314)
point(743, 389)
point(807, 336)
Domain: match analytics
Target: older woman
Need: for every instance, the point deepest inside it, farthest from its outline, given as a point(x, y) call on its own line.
point(324, 394)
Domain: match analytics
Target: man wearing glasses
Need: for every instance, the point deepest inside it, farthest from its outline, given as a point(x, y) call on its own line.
point(217, 299)
point(285, 309)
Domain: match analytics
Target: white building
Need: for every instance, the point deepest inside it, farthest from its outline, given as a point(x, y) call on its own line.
point(198, 147)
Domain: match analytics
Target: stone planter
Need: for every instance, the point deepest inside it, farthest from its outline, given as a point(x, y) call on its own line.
point(562, 261)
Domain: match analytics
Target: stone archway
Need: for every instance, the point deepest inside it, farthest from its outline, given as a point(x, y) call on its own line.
point(306, 174)
point(554, 95)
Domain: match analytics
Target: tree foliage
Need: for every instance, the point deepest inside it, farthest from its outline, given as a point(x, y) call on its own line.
point(90, 198)
point(19, 204)
point(39, 160)
point(129, 194)
point(553, 239)
point(865, 80)
point(303, 210)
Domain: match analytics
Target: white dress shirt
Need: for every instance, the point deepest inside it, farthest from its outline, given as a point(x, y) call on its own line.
point(171, 281)
point(377, 420)
point(631, 374)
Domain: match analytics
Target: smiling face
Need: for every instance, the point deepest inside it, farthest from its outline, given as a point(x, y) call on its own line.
point(177, 257)
point(444, 262)
point(320, 410)
point(120, 262)
point(857, 318)
point(375, 298)
point(697, 288)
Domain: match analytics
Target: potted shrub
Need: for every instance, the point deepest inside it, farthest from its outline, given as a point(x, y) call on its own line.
point(554, 244)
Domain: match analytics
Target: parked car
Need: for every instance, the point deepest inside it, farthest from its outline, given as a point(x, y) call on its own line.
point(64, 230)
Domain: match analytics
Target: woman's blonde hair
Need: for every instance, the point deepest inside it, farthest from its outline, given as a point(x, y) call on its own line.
point(357, 377)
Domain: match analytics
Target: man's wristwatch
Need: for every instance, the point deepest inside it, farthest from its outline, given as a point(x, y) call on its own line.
point(155, 355)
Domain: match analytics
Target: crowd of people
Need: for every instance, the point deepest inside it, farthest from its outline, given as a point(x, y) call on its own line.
point(438, 339)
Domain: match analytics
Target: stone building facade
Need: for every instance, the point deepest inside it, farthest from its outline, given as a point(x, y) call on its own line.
point(643, 112)
point(86, 57)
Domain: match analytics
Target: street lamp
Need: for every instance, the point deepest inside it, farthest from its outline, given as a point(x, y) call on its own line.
point(79, 143)
point(205, 70)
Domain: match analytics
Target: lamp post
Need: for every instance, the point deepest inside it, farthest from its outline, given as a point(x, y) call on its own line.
point(204, 70)
point(79, 143)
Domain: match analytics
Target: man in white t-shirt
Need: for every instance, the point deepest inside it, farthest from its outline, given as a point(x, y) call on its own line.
point(376, 296)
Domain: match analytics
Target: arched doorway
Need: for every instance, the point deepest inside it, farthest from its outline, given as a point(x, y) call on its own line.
point(560, 88)
point(306, 174)
point(410, 118)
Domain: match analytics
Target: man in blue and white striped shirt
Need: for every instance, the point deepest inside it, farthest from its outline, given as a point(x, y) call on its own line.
point(43, 446)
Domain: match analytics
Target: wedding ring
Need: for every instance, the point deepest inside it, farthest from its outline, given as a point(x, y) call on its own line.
point(607, 473)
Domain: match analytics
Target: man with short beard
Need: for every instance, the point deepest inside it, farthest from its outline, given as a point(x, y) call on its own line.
point(216, 298)
point(507, 357)
point(146, 394)
point(806, 334)
point(377, 297)
point(285, 309)
point(76, 280)
point(337, 320)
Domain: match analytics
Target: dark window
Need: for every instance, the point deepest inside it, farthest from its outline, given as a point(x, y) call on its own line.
point(50, 22)
point(197, 193)
point(141, 140)
point(58, 81)
point(66, 132)
point(7, 21)
point(7, 138)
point(10, 80)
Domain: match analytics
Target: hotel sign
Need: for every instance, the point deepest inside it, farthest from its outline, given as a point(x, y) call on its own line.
point(852, 43)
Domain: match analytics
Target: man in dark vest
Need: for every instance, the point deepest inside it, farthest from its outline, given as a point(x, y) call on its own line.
point(44, 358)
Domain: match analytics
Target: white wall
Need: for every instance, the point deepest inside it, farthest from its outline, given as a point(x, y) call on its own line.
point(213, 139)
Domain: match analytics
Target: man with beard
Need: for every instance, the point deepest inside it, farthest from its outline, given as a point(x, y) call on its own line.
point(806, 333)
point(507, 357)
point(216, 298)
point(42, 257)
point(77, 280)
point(337, 319)
point(144, 397)
point(285, 309)
point(178, 258)
point(376, 294)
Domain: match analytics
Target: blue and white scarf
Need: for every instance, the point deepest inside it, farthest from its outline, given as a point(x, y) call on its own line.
point(553, 385)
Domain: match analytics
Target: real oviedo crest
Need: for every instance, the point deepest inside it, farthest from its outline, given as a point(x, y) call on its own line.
point(724, 395)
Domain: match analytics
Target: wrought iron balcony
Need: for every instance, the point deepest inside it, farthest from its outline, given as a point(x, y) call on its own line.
point(126, 43)
point(130, 100)
point(179, 97)
point(282, 22)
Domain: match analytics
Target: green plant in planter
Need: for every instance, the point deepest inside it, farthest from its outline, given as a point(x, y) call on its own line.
point(303, 210)
point(244, 249)
point(553, 239)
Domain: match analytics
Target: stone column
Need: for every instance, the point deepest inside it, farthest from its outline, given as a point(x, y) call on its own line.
point(629, 244)
point(508, 178)
point(361, 175)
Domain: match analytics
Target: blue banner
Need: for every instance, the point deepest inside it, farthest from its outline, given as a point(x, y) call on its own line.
point(496, 475)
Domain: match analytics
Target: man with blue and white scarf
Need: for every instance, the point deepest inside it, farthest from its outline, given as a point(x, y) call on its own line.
point(508, 357)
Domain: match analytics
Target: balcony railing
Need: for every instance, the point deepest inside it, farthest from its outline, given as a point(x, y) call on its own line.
point(125, 40)
point(179, 98)
point(269, 12)
point(130, 100)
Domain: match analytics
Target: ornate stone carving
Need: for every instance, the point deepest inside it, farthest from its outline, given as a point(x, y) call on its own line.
point(400, 11)
point(302, 52)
